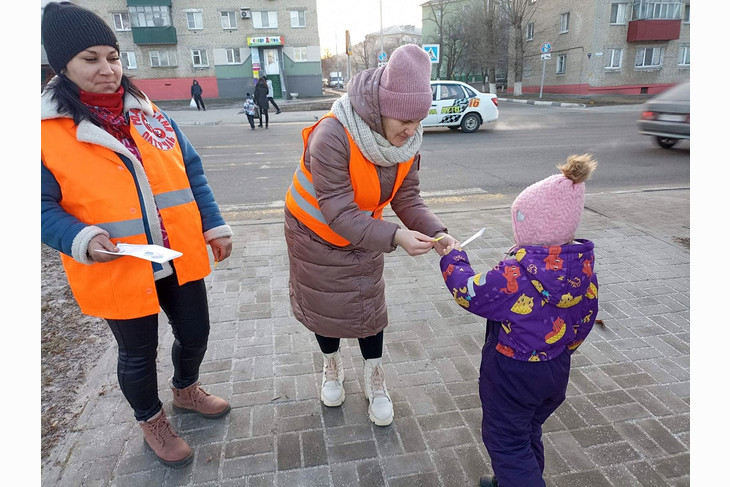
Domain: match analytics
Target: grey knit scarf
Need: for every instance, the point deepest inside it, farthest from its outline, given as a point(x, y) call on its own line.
point(374, 146)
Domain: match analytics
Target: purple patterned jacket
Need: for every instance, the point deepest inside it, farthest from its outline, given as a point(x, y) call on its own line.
point(545, 297)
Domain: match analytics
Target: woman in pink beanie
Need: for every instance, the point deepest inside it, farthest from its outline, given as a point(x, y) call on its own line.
point(540, 303)
point(357, 159)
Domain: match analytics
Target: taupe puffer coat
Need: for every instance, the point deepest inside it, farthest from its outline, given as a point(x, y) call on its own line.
point(340, 291)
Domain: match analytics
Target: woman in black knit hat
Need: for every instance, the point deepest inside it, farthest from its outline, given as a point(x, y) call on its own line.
point(116, 170)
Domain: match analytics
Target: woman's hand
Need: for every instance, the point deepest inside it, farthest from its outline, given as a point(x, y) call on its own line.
point(221, 248)
point(415, 243)
point(102, 242)
point(444, 243)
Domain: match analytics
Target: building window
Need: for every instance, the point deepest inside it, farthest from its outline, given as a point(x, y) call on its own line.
point(613, 59)
point(657, 9)
point(684, 56)
point(300, 54)
point(686, 13)
point(564, 22)
point(121, 21)
point(163, 59)
point(129, 59)
point(297, 19)
point(265, 20)
point(649, 57)
point(228, 20)
point(200, 58)
point(560, 64)
point(195, 19)
point(233, 55)
point(530, 31)
point(618, 13)
point(150, 16)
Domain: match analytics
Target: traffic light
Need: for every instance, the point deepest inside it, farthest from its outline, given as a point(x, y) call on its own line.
point(348, 46)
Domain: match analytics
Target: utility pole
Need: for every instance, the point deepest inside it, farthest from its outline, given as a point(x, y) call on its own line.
point(381, 26)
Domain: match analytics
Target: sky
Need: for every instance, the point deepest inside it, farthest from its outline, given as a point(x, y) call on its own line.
point(361, 17)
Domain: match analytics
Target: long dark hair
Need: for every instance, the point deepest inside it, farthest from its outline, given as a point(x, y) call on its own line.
point(67, 95)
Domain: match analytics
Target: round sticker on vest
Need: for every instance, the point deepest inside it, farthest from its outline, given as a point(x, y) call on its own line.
point(155, 129)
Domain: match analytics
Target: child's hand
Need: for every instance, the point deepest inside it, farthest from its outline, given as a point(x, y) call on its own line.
point(455, 246)
point(444, 243)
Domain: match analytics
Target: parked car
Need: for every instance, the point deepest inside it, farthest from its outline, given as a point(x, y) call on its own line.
point(666, 116)
point(458, 105)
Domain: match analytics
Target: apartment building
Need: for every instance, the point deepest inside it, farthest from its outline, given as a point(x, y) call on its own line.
point(607, 46)
point(225, 45)
point(589, 46)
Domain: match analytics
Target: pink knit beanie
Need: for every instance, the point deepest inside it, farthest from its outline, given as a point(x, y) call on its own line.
point(405, 87)
point(549, 211)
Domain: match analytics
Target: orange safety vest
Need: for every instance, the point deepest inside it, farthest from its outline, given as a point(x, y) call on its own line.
point(98, 189)
point(301, 198)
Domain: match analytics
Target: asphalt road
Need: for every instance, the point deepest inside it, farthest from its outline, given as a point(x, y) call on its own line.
point(252, 169)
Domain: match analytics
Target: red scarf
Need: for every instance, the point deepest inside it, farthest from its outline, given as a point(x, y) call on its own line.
point(109, 109)
point(111, 101)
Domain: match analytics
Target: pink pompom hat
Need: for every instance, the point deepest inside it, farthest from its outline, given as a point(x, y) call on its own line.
point(549, 211)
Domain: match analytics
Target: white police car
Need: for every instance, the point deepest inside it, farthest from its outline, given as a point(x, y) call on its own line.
point(458, 105)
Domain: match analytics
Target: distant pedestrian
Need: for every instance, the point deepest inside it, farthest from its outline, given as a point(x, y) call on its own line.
point(196, 91)
point(249, 108)
point(270, 96)
point(540, 303)
point(261, 98)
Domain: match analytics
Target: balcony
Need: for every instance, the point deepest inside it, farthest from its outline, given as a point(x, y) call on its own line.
point(653, 30)
point(154, 35)
point(655, 20)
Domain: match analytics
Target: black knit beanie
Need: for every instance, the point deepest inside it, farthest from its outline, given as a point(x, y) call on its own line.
point(67, 29)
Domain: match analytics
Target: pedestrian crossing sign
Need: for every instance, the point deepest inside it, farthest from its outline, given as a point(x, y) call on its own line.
point(433, 52)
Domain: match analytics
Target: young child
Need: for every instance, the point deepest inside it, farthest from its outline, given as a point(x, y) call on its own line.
point(540, 303)
point(249, 108)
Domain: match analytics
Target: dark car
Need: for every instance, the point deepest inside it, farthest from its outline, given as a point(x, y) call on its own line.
point(666, 116)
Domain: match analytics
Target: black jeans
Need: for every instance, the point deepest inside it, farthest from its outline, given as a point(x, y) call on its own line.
point(199, 101)
point(370, 347)
point(264, 113)
point(186, 307)
point(271, 100)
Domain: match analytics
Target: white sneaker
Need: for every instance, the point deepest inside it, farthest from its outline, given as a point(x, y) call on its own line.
point(381, 407)
point(332, 393)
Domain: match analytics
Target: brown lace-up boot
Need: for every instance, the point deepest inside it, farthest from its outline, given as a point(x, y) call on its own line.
point(194, 398)
point(171, 450)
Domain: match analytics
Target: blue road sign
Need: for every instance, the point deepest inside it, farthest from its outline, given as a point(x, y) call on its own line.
point(433, 52)
point(546, 47)
point(382, 56)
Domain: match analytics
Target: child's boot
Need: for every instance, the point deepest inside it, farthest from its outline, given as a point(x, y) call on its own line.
point(194, 398)
point(380, 410)
point(332, 392)
point(488, 481)
point(171, 450)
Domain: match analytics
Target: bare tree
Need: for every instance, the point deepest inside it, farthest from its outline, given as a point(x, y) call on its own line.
point(329, 63)
point(519, 13)
point(364, 55)
point(453, 45)
point(485, 38)
point(442, 15)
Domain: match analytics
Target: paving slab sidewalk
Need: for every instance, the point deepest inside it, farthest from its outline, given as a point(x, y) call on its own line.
point(625, 422)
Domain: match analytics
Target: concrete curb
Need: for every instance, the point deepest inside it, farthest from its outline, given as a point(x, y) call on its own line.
point(544, 103)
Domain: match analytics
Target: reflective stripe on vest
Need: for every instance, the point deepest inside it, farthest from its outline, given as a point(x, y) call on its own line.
point(125, 287)
point(301, 198)
point(123, 229)
point(308, 188)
